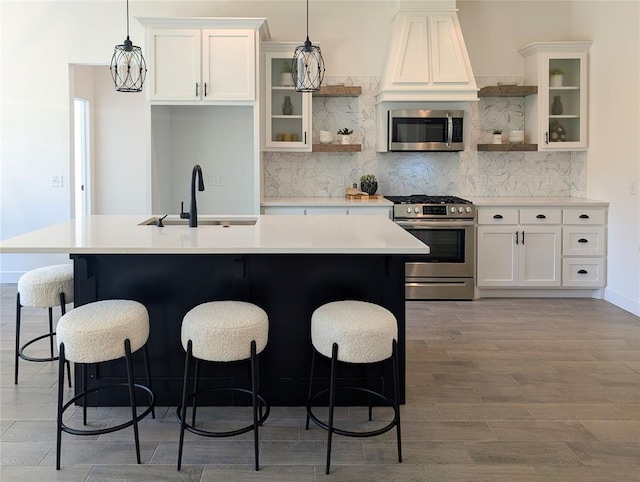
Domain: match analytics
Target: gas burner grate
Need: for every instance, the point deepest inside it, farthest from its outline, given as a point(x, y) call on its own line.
point(425, 199)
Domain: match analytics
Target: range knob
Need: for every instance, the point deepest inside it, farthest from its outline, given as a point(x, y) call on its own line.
point(416, 210)
point(453, 209)
point(460, 209)
point(467, 209)
point(409, 210)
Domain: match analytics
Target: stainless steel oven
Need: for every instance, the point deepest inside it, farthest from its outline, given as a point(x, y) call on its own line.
point(447, 225)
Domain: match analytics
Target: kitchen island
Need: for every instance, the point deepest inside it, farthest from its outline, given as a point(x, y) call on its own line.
point(288, 265)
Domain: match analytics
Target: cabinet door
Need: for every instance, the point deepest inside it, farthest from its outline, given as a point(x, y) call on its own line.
point(539, 256)
point(497, 256)
point(322, 210)
point(174, 64)
point(288, 113)
point(563, 102)
point(371, 210)
point(228, 65)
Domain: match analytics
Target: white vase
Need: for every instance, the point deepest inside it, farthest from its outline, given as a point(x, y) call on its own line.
point(556, 80)
point(286, 80)
point(496, 138)
point(345, 139)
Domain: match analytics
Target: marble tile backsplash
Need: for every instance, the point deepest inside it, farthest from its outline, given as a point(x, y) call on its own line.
point(467, 173)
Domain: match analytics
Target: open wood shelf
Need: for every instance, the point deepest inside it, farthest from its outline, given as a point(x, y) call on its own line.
point(508, 90)
point(507, 147)
point(337, 147)
point(339, 91)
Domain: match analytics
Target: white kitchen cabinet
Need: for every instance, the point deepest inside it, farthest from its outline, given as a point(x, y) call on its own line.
point(519, 247)
point(584, 247)
point(287, 125)
point(206, 60)
point(556, 118)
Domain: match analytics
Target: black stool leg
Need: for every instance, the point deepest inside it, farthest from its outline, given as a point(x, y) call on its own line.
point(132, 396)
point(254, 396)
point(313, 364)
point(397, 397)
point(59, 416)
point(183, 407)
point(51, 331)
point(85, 400)
point(196, 385)
point(147, 371)
point(332, 399)
point(18, 311)
point(63, 311)
point(370, 388)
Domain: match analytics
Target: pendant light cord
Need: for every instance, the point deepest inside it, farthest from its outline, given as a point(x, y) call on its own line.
point(128, 18)
point(307, 19)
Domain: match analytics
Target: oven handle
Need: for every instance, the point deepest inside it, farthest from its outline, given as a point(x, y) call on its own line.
point(434, 224)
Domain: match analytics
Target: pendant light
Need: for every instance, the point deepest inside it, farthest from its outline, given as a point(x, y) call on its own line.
point(128, 68)
point(307, 67)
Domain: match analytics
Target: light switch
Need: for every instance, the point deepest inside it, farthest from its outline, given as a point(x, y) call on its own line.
point(56, 181)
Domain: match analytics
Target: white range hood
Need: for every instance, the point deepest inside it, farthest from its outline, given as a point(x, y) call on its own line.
point(427, 60)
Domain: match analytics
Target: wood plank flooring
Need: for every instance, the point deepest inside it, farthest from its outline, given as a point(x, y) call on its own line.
point(498, 390)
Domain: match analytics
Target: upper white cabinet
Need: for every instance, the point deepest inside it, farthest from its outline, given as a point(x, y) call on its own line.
point(556, 118)
point(210, 60)
point(287, 125)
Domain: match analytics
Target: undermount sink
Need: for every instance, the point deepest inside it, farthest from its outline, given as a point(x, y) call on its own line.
point(202, 221)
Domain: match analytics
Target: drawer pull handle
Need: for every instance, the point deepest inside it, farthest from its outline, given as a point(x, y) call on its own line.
point(497, 216)
point(584, 216)
point(541, 216)
point(582, 240)
point(582, 271)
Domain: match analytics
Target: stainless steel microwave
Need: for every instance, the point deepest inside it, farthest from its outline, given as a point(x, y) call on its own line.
point(426, 130)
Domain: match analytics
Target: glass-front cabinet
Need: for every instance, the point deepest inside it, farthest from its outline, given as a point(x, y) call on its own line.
point(288, 113)
point(556, 118)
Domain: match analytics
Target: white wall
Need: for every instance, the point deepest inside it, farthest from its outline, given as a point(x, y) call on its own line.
point(614, 125)
point(40, 39)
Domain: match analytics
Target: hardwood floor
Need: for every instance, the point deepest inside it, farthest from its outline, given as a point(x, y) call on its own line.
point(498, 390)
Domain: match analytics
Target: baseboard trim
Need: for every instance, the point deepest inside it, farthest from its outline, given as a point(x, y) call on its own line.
point(622, 301)
point(539, 293)
point(10, 276)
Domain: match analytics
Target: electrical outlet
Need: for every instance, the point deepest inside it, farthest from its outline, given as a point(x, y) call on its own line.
point(633, 188)
point(221, 181)
point(56, 181)
point(211, 180)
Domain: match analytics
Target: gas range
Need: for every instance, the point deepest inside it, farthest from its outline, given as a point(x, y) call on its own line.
point(420, 206)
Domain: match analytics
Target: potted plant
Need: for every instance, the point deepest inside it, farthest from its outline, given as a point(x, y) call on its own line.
point(497, 136)
point(345, 135)
point(555, 78)
point(368, 184)
point(286, 80)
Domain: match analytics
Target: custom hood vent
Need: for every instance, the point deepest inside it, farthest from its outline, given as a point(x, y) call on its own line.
point(427, 59)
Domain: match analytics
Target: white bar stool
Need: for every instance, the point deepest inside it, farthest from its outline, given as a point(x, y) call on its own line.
point(354, 332)
point(42, 288)
point(223, 331)
point(98, 332)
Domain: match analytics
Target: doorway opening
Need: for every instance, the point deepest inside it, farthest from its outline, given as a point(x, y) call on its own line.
point(82, 139)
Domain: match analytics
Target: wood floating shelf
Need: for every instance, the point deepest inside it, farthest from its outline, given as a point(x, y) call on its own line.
point(507, 147)
point(339, 91)
point(337, 147)
point(508, 90)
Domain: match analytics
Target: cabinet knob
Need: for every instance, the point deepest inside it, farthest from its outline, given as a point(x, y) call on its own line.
point(584, 216)
point(582, 271)
point(497, 216)
point(582, 240)
point(541, 216)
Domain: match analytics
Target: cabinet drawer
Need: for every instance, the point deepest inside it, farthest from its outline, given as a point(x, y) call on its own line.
point(283, 210)
point(584, 272)
point(540, 215)
point(498, 216)
point(583, 241)
point(379, 211)
point(584, 216)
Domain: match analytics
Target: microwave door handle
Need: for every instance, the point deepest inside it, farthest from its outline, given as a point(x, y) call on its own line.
point(449, 129)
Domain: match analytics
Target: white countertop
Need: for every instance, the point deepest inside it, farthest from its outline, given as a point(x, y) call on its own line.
point(323, 201)
point(108, 234)
point(534, 201)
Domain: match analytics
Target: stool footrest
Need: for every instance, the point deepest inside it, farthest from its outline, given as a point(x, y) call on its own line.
point(36, 359)
point(350, 433)
point(147, 411)
point(230, 433)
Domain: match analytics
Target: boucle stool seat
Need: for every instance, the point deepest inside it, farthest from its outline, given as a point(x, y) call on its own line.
point(42, 288)
point(223, 331)
point(98, 332)
point(355, 332)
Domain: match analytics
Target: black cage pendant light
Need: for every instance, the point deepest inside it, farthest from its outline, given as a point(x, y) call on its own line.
point(128, 68)
point(307, 67)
